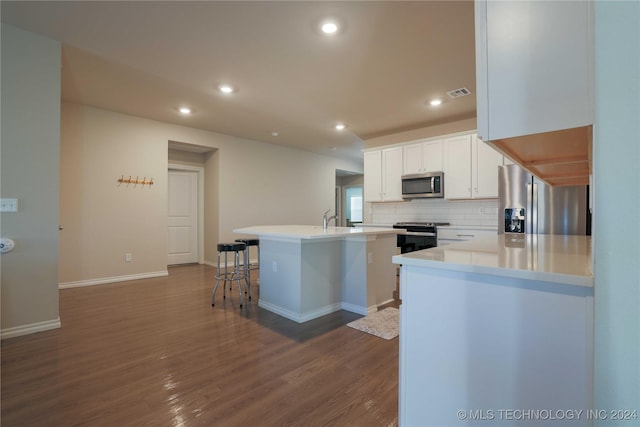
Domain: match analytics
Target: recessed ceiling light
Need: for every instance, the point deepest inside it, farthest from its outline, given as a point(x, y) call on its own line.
point(185, 110)
point(329, 27)
point(435, 102)
point(341, 126)
point(225, 88)
point(274, 133)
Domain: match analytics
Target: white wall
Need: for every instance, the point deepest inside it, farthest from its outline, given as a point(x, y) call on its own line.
point(246, 183)
point(617, 208)
point(422, 133)
point(30, 151)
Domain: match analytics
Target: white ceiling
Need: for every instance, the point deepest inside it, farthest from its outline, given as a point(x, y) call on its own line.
point(376, 75)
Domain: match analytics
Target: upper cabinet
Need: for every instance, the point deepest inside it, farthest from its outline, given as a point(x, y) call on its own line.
point(471, 168)
point(373, 176)
point(486, 162)
point(457, 171)
point(534, 78)
point(382, 175)
point(422, 157)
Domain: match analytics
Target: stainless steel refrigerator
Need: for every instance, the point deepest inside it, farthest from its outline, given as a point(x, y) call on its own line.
point(527, 205)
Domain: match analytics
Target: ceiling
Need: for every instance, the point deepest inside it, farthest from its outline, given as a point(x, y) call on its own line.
point(376, 75)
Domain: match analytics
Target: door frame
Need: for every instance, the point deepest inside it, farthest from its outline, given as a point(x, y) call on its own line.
point(200, 171)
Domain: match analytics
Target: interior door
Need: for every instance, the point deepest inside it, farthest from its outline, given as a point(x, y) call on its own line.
point(183, 217)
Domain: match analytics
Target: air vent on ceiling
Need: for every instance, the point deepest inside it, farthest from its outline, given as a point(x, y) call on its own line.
point(457, 93)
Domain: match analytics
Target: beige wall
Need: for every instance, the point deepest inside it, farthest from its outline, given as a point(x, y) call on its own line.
point(104, 219)
point(187, 158)
point(246, 183)
point(425, 132)
point(30, 151)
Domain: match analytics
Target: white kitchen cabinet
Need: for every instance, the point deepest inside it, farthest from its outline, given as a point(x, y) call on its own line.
point(382, 175)
point(453, 234)
point(422, 157)
point(471, 168)
point(373, 176)
point(486, 162)
point(534, 68)
point(476, 332)
point(457, 170)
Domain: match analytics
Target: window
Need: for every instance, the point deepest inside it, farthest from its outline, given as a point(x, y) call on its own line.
point(353, 204)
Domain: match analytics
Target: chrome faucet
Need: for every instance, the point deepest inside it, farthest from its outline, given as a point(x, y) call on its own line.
point(326, 219)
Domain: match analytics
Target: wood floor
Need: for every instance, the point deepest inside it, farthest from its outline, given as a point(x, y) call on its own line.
point(154, 352)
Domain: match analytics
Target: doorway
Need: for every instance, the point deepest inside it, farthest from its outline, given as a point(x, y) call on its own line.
point(353, 205)
point(349, 197)
point(185, 242)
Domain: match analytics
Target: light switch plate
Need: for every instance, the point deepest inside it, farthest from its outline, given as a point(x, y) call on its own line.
point(8, 205)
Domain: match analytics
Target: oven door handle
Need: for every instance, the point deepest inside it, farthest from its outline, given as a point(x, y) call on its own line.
point(420, 233)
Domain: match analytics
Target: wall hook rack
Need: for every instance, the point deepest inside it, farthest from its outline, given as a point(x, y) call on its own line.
point(136, 181)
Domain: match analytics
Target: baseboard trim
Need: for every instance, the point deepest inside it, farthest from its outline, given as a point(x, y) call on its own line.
point(31, 328)
point(375, 308)
point(355, 308)
point(114, 279)
point(296, 317)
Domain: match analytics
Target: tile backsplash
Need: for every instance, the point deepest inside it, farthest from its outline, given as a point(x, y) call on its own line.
point(456, 212)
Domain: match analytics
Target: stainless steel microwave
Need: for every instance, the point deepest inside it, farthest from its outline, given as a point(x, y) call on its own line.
point(423, 185)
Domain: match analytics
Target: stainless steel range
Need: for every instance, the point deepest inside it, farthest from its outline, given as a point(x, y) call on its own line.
point(418, 235)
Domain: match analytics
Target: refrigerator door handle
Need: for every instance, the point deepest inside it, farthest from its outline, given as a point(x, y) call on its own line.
point(534, 208)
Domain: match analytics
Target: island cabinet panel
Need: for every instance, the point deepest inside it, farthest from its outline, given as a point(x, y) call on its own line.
point(308, 271)
point(368, 276)
point(473, 345)
point(300, 280)
point(534, 69)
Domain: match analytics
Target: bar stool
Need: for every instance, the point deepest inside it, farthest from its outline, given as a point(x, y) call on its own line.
point(247, 264)
point(237, 273)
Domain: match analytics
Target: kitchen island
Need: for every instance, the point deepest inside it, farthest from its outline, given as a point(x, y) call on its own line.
point(307, 271)
point(497, 331)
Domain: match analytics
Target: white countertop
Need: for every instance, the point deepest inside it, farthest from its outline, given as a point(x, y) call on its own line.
point(544, 257)
point(311, 231)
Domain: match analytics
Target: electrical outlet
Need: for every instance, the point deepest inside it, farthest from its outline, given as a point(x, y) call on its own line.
point(6, 245)
point(8, 205)
point(274, 265)
point(128, 257)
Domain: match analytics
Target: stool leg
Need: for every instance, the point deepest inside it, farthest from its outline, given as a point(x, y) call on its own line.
point(232, 273)
point(247, 272)
point(236, 268)
point(258, 266)
point(247, 266)
point(226, 276)
point(215, 288)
